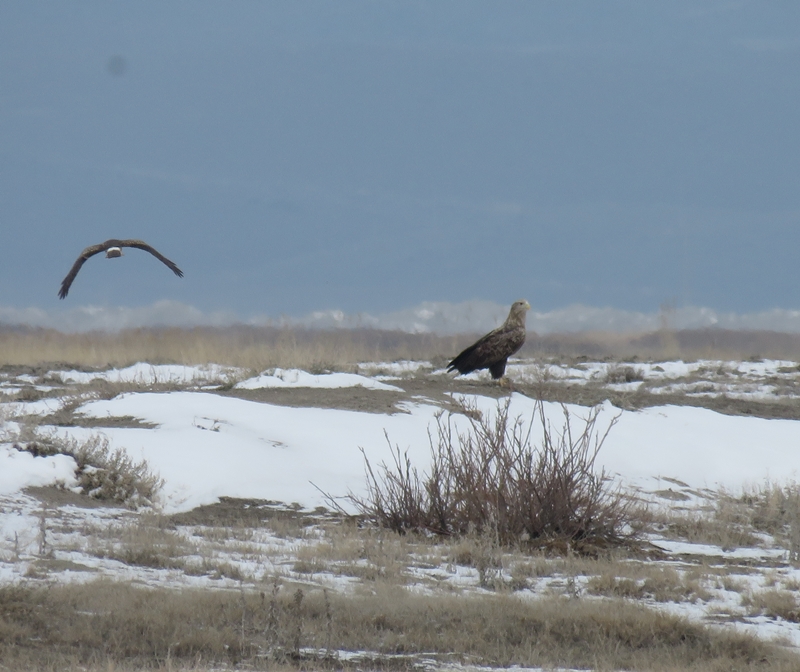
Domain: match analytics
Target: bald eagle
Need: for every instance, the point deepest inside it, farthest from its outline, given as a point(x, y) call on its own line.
point(112, 248)
point(493, 350)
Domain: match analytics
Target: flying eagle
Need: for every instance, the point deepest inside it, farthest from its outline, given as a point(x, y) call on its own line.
point(112, 248)
point(493, 350)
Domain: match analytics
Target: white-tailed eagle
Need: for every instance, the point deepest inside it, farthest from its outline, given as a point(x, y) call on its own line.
point(493, 350)
point(112, 248)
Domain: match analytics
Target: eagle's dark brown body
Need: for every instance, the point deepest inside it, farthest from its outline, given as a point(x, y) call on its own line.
point(112, 248)
point(493, 350)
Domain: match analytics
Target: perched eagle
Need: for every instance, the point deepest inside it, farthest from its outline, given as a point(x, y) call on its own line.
point(112, 248)
point(493, 350)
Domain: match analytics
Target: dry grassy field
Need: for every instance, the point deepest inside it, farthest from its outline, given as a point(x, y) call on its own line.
point(585, 612)
point(252, 584)
point(259, 348)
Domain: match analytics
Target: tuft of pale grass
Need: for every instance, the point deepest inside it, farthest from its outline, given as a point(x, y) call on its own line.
point(773, 603)
point(661, 584)
point(623, 373)
point(738, 520)
point(145, 541)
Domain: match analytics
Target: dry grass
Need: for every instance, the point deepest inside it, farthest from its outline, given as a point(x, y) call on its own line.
point(623, 373)
point(259, 348)
point(604, 626)
point(736, 520)
point(109, 623)
point(774, 603)
point(687, 344)
point(662, 584)
point(144, 541)
point(255, 348)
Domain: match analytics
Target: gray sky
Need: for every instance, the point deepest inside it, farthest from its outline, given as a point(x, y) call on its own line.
point(370, 156)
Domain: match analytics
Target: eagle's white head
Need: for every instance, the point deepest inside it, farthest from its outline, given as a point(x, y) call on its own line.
point(113, 252)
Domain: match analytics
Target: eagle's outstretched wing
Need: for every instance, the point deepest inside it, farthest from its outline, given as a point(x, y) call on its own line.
point(140, 244)
point(90, 251)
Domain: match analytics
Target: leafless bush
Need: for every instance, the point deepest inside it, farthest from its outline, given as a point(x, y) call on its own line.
point(109, 474)
point(103, 473)
point(493, 481)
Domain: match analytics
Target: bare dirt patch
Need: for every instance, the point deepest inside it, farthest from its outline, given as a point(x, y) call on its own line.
point(437, 390)
point(440, 390)
point(254, 513)
point(54, 497)
point(348, 398)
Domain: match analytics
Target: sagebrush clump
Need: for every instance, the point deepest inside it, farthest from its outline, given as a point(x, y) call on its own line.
point(102, 472)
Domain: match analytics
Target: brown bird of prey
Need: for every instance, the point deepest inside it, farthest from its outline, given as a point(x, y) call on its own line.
point(112, 248)
point(493, 350)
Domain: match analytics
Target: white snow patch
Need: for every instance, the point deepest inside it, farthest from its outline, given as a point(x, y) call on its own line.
point(674, 547)
point(206, 446)
point(299, 378)
point(394, 368)
point(151, 374)
point(19, 469)
point(39, 407)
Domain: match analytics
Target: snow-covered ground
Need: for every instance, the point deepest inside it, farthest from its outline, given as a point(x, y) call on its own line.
point(206, 445)
point(285, 378)
point(152, 374)
point(763, 381)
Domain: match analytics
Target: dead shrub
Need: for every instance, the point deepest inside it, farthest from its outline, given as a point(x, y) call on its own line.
point(103, 473)
point(623, 373)
point(491, 480)
point(112, 475)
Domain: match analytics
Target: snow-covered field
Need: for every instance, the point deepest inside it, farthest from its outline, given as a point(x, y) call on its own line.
point(208, 435)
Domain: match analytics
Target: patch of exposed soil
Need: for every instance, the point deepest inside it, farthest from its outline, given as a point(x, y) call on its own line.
point(436, 389)
point(54, 497)
point(236, 512)
point(440, 390)
point(346, 398)
point(115, 421)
